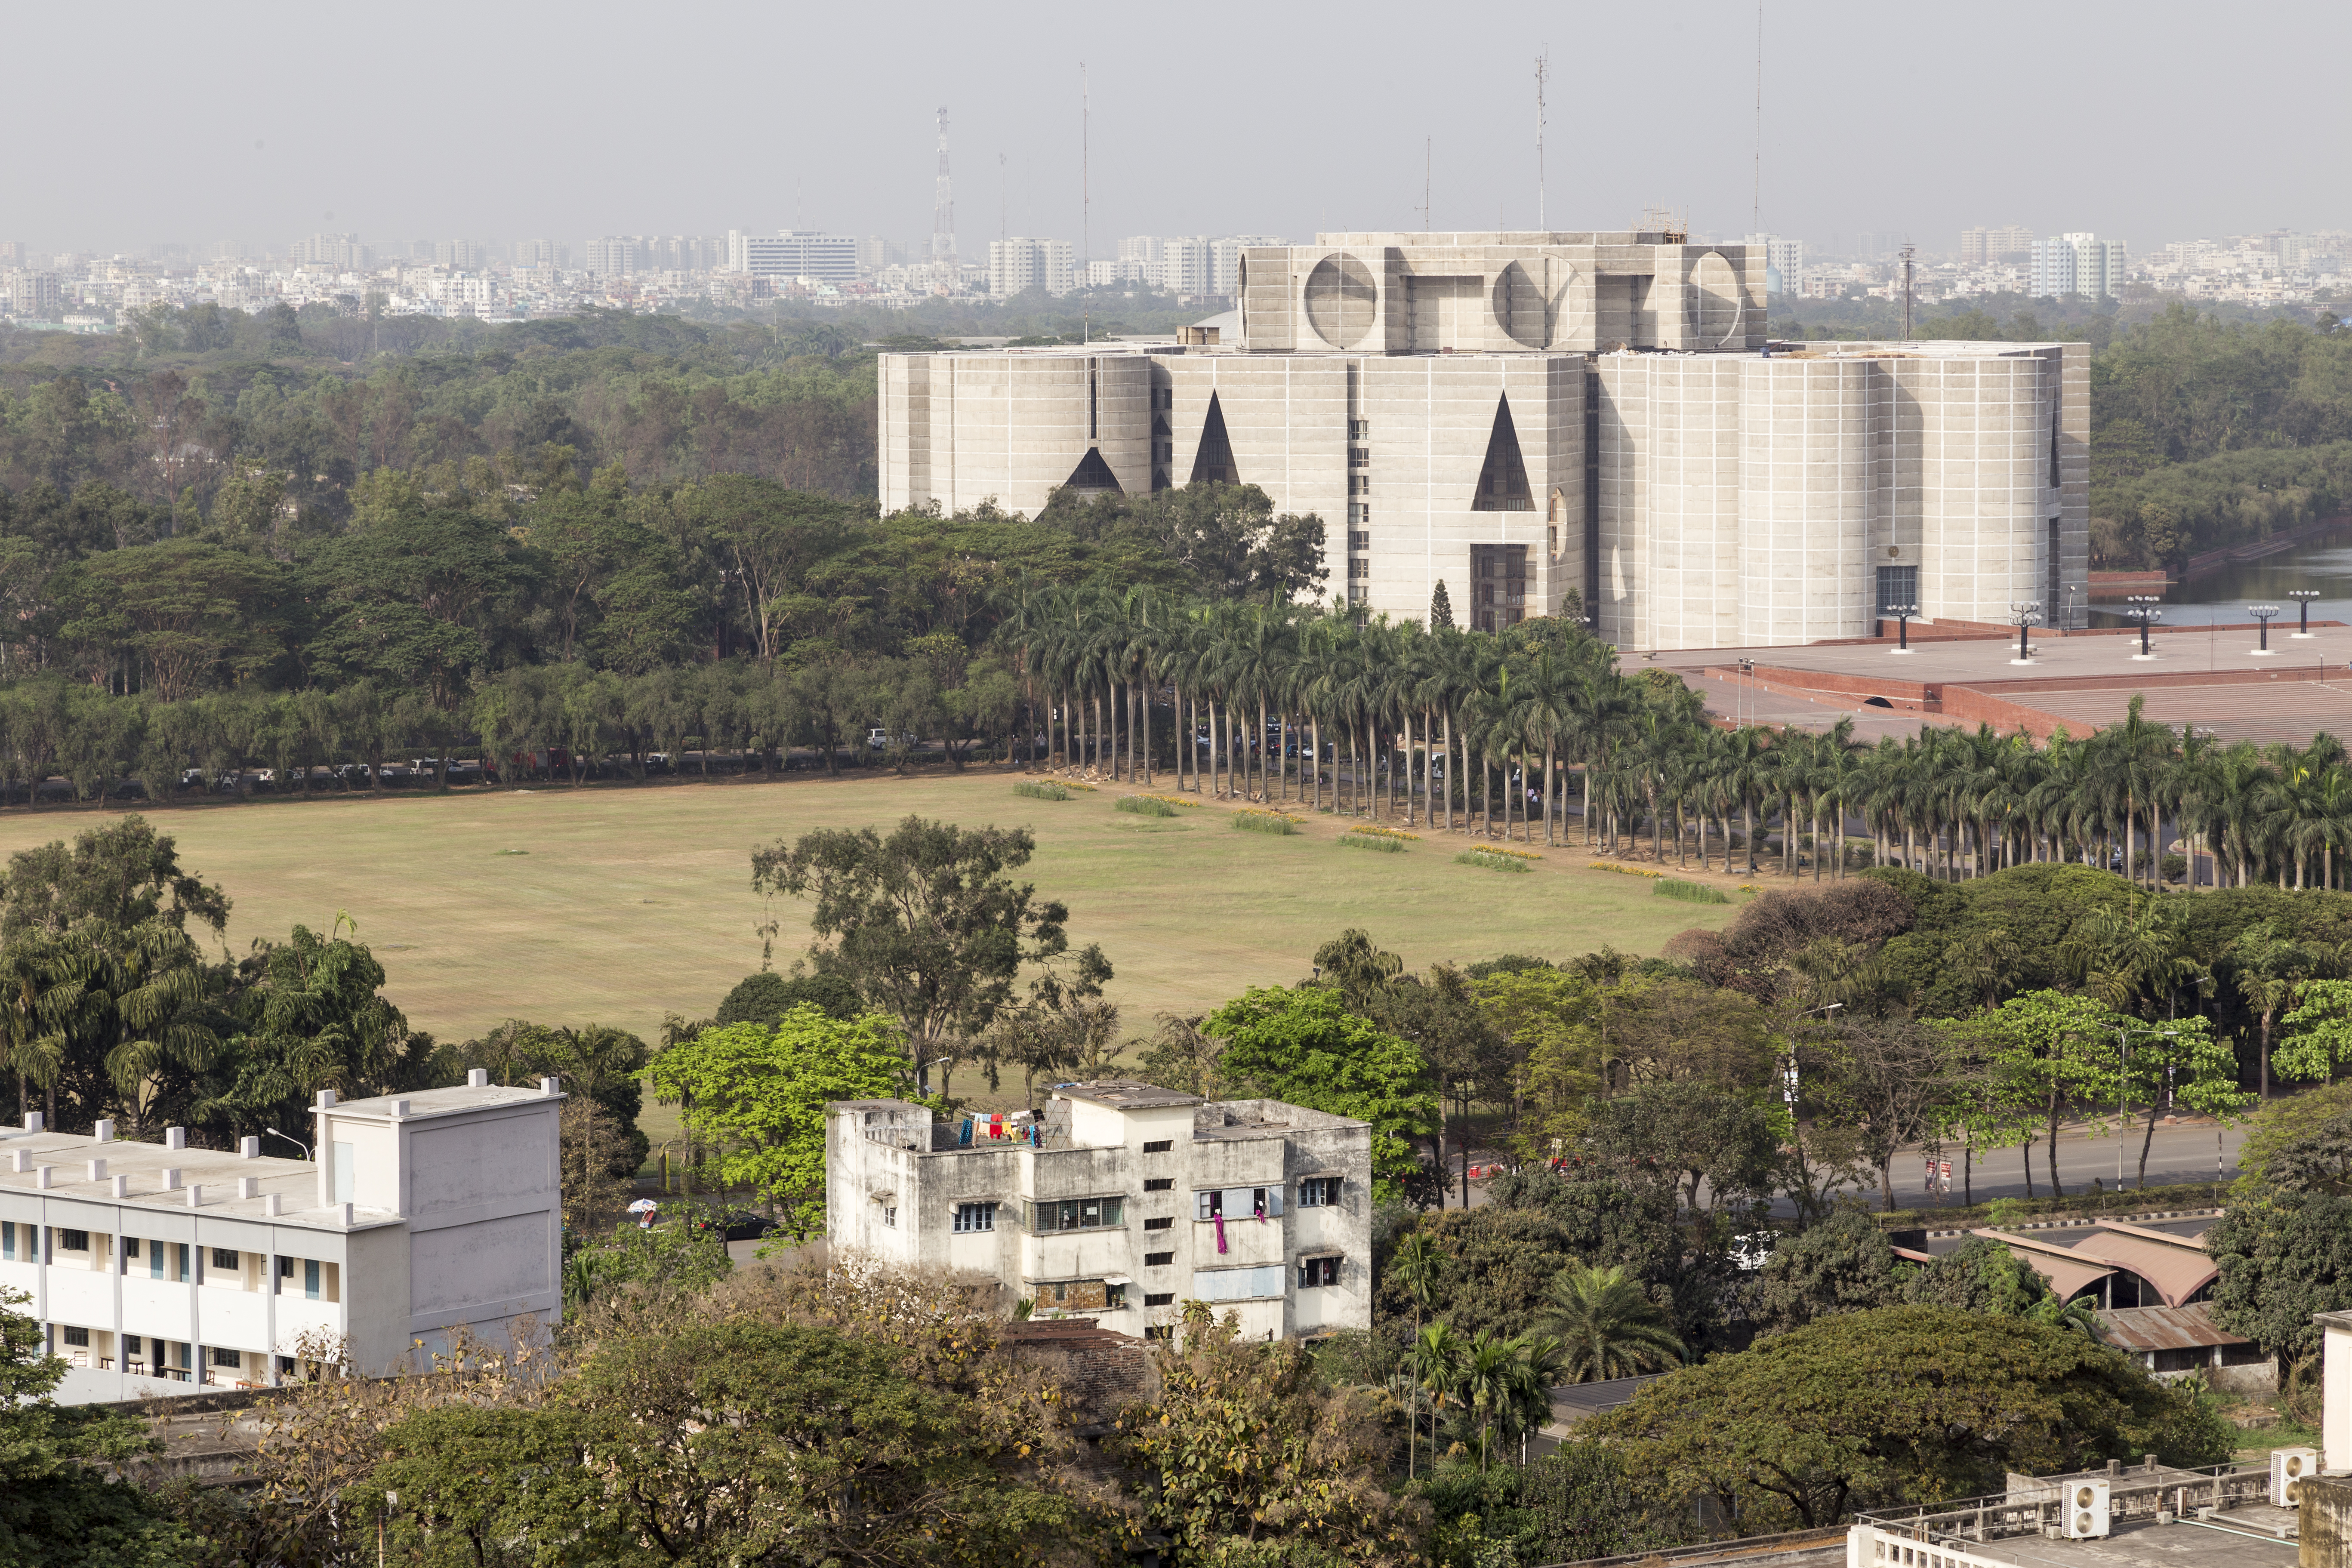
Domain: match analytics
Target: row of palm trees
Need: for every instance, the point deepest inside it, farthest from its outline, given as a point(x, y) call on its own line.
point(1594, 1325)
point(1498, 734)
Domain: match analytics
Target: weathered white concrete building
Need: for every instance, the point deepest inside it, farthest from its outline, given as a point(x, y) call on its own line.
point(1526, 415)
point(1122, 1200)
point(158, 1269)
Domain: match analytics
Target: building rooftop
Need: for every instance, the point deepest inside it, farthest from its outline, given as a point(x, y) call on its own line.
point(2188, 1328)
point(1125, 1095)
point(205, 1180)
point(449, 1101)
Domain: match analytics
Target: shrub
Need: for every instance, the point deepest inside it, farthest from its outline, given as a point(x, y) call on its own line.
point(1042, 790)
point(1493, 859)
point(1372, 831)
point(1175, 800)
point(1688, 892)
point(1144, 805)
point(1381, 845)
point(1253, 821)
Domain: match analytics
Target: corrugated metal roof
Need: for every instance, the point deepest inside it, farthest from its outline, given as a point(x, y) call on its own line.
point(2166, 1329)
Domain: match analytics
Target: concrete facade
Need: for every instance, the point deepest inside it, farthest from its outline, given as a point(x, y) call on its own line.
point(1120, 1202)
point(1525, 417)
point(156, 1269)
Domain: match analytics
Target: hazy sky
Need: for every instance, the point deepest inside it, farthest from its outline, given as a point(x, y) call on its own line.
point(2144, 121)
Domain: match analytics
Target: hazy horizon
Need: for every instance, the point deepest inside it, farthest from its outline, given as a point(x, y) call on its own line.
point(262, 125)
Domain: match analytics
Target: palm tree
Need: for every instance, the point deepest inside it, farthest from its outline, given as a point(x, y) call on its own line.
point(1606, 1326)
point(1435, 1363)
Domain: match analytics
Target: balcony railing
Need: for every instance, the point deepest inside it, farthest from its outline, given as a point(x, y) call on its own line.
point(947, 1138)
point(2131, 1494)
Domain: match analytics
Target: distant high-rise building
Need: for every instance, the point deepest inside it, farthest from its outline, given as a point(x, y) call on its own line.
point(875, 253)
point(1983, 246)
point(12, 253)
point(793, 253)
point(541, 253)
point(1784, 263)
point(466, 255)
point(614, 256)
point(1020, 264)
point(29, 293)
point(1226, 260)
point(343, 252)
point(2078, 263)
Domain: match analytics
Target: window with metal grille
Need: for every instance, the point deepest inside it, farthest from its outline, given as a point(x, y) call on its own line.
point(1157, 1259)
point(77, 1336)
point(975, 1216)
point(1159, 1184)
point(1314, 1272)
point(1159, 1146)
point(1897, 586)
point(226, 1257)
point(1163, 1223)
point(1319, 1192)
point(1359, 567)
point(1359, 540)
point(1078, 1214)
point(221, 1356)
point(73, 1241)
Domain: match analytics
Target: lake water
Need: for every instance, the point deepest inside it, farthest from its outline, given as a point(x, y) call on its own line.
point(2325, 564)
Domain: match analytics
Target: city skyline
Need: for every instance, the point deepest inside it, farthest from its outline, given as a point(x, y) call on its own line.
point(1238, 141)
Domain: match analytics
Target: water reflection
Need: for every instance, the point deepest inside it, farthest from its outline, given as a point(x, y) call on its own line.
point(2324, 563)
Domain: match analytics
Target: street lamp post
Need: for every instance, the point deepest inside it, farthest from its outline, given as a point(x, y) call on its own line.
point(2025, 616)
point(2265, 614)
point(2303, 597)
point(1747, 672)
point(2143, 610)
point(1902, 614)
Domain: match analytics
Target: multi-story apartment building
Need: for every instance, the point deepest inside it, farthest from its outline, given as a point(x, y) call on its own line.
point(1784, 263)
point(1119, 1202)
point(1990, 247)
point(32, 293)
point(340, 252)
point(2078, 263)
point(1019, 263)
point(156, 1269)
point(540, 253)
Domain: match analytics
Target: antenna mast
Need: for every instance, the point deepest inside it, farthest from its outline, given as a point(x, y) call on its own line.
point(1543, 73)
point(1427, 143)
point(943, 243)
point(1755, 198)
point(1086, 204)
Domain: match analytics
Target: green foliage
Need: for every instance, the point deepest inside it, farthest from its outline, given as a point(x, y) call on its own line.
point(1903, 1404)
point(1842, 1265)
point(2302, 1142)
point(765, 996)
point(1489, 1270)
point(1367, 841)
point(761, 1094)
point(1144, 805)
point(1303, 1047)
point(58, 1505)
point(1240, 1440)
point(1034, 791)
point(1688, 892)
point(924, 923)
point(683, 1255)
point(1978, 1275)
point(2283, 1258)
point(1492, 860)
point(1607, 1327)
point(1259, 821)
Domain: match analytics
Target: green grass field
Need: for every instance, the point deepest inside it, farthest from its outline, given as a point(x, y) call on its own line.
point(618, 904)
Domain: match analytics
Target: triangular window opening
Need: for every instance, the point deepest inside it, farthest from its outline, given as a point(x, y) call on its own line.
point(1093, 476)
point(1503, 483)
point(1215, 458)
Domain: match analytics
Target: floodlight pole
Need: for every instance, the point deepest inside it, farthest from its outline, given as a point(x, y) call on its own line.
point(2025, 615)
point(1903, 614)
point(2263, 613)
point(2303, 597)
point(2145, 612)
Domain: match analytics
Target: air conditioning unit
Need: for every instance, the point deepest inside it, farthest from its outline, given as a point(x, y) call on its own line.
point(2086, 1511)
point(2288, 1467)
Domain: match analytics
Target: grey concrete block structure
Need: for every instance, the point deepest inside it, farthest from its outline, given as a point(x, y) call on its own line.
point(1120, 1202)
point(1543, 421)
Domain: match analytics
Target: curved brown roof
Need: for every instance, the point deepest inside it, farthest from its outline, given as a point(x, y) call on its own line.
point(2069, 1273)
point(2176, 1271)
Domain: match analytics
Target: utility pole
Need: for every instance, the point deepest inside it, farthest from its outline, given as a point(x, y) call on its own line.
point(1426, 144)
point(1085, 205)
point(1756, 199)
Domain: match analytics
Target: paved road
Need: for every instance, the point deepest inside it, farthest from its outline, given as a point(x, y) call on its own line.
point(2180, 1153)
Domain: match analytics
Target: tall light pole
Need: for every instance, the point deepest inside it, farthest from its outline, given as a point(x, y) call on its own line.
point(2143, 610)
point(2303, 597)
point(2265, 614)
point(2025, 615)
point(1902, 614)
